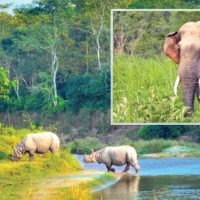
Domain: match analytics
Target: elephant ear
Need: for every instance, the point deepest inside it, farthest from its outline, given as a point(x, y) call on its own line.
point(171, 48)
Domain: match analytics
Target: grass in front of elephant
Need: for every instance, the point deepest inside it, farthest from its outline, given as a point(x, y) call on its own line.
point(17, 177)
point(143, 92)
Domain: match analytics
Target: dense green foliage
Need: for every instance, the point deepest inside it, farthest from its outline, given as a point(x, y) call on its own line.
point(136, 4)
point(5, 84)
point(164, 131)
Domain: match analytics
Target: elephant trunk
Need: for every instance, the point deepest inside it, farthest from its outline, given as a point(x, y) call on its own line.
point(189, 88)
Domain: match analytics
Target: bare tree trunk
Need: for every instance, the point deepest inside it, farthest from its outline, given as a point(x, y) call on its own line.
point(17, 90)
point(54, 68)
point(98, 44)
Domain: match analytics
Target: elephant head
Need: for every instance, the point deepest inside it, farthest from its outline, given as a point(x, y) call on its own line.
point(183, 47)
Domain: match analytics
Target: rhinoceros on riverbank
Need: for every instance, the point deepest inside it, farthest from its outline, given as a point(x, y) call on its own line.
point(118, 156)
point(36, 143)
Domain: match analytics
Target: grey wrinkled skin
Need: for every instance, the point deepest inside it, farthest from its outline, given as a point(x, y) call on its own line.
point(183, 47)
point(36, 143)
point(118, 156)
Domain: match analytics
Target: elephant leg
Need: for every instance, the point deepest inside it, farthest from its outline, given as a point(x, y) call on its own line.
point(127, 167)
point(31, 154)
point(188, 94)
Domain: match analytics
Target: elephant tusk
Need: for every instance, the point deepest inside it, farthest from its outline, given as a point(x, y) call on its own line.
point(176, 85)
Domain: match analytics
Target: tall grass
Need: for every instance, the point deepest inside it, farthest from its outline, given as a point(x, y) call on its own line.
point(143, 91)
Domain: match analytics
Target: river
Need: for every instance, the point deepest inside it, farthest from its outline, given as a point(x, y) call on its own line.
point(159, 179)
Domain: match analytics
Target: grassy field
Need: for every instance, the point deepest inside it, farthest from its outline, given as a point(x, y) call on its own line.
point(143, 92)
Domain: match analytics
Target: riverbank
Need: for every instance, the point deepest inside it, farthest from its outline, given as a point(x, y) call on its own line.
point(76, 185)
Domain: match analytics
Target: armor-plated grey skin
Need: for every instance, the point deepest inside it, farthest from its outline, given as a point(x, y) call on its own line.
point(183, 47)
point(36, 143)
point(119, 155)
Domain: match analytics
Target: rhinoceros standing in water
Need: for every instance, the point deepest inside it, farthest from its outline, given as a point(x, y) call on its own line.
point(36, 143)
point(118, 156)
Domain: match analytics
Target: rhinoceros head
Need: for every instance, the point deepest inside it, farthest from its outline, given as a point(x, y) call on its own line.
point(90, 158)
point(17, 153)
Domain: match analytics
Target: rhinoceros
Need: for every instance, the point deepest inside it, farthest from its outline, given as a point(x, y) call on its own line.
point(36, 143)
point(118, 156)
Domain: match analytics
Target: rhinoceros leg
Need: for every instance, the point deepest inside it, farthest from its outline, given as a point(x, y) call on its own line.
point(112, 169)
point(137, 167)
point(109, 168)
point(31, 154)
point(127, 167)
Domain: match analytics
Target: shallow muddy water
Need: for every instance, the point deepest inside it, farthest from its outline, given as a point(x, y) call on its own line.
point(159, 179)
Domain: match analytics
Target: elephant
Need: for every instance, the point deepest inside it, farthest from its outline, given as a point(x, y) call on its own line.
point(118, 155)
point(183, 47)
point(36, 143)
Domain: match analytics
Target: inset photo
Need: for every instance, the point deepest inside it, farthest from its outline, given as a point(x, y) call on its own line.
point(155, 66)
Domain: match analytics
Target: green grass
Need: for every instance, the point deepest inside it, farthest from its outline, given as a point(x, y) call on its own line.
point(160, 145)
point(143, 92)
point(16, 178)
point(83, 191)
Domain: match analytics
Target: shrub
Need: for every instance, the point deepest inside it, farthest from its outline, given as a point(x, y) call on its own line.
point(86, 144)
point(162, 131)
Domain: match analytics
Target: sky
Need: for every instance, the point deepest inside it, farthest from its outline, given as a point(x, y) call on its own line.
point(16, 3)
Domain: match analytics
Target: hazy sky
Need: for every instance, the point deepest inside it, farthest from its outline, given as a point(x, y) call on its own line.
point(16, 3)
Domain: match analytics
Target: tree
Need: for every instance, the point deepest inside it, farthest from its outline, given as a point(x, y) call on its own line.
point(46, 34)
point(5, 84)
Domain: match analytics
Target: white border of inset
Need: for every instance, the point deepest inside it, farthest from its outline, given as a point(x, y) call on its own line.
point(111, 49)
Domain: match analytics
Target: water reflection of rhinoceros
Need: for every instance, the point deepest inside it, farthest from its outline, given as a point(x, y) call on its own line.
point(128, 184)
